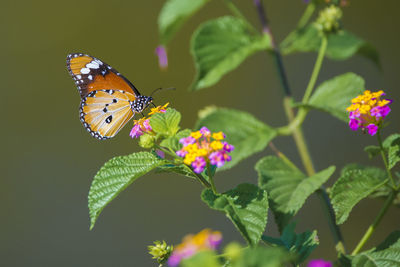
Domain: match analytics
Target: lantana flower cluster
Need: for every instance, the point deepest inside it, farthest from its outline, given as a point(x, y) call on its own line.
point(368, 110)
point(192, 244)
point(142, 125)
point(203, 147)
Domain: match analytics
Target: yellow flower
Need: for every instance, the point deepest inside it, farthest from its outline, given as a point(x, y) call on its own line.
point(158, 109)
point(196, 135)
point(218, 136)
point(216, 145)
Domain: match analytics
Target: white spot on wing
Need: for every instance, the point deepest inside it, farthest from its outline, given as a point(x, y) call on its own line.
point(90, 77)
point(79, 76)
point(85, 70)
point(92, 65)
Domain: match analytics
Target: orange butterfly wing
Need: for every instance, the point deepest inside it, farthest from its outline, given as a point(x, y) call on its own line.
point(105, 112)
point(106, 95)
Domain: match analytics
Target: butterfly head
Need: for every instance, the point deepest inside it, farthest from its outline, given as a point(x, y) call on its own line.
point(140, 103)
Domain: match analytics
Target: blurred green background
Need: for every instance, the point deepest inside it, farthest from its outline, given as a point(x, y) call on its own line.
point(48, 159)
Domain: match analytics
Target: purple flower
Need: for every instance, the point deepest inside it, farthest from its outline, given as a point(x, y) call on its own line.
point(214, 240)
point(228, 147)
point(136, 131)
point(372, 129)
point(217, 159)
point(187, 141)
point(367, 111)
point(184, 253)
point(181, 153)
point(160, 153)
point(204, 131)
point(354, 124)
point(199, 164)
point(161, 53)
point(146, 125)
point(319, 263)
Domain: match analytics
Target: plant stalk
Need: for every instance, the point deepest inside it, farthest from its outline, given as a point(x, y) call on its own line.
point(306, 15)
point(213, 188)
point(236, 12)
point(277, 53)
point(378, 135)
point(375, 224)
point(200, 178)
point(316, 70)
point(295, 122)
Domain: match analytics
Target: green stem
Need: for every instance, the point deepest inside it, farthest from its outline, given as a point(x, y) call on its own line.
point(282, 156)
point(213, 188)
point(295, 122)
point(299, 138)
point(306, 15)
point(294, 128)
point(316, 70)
point(236, 12)
point(378, 135)
point(375, 224)
point(200, 178)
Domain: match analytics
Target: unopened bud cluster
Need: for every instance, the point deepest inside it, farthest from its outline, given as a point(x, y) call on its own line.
point(328, 20)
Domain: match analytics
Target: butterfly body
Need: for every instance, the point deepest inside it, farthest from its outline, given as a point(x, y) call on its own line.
point(108, 99)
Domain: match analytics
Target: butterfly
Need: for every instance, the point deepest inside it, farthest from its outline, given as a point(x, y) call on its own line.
point(108, 99)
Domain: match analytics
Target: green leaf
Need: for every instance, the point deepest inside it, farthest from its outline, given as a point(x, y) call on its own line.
point(178, 169)
point(372, 151)
point(341, 46)
point(166, 124)
point(334, 95)
point(173, 141)
point(392, 144)
point(355, 183)
point(219, 46)
point(115, 176)
point(173, 15)
point(201, 259)
point(246, 133)
point(246, 206)
point(302, 244)
point(392, 239)
point(287, 186)
point(386, 254)
point(263, 257)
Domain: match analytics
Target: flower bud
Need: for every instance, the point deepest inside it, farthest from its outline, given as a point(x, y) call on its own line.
point(328, 20)
point(147, 141)
point(160, 251)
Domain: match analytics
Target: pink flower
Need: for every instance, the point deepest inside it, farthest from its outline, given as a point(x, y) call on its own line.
point(136, 131)
point(146, 125)
point(161, 53)
point(187, 141)
point(205, 132)
point(368, 111)
point(319, 263)
point(199, 164)
point(191, 244)
point(372, 129)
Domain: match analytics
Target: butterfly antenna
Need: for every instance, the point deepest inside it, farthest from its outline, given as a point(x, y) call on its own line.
point(158, 89)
